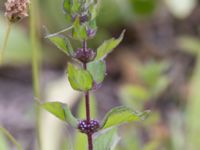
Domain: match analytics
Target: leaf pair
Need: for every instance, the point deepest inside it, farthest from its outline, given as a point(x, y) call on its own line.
point(64, 45)
point(115, 117)
point(83, 80)
point(107, 136)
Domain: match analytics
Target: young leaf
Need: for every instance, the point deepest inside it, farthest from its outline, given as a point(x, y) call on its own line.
point(79, 79)
point(97, 70)
point(61, 111)
point(76, 6)
point(107, 140)
point(120, 115)
point(79, 31)
point(93, 11)
point(67, 5)
point(62, 43)
point(108, 46)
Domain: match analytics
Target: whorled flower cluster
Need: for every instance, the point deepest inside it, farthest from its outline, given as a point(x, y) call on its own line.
point(16, 9)
point(88, 127)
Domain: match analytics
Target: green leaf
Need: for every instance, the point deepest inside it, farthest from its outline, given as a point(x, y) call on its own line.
point(106, 140)
point(67, 5)
point(92, 24)
point(62, 43)
point(97, 70)
point(79, 31)
point(120, 115)
point(108, 46)
point(93, 11)
point(76, 6)
point(61, 111)
point(79, 79)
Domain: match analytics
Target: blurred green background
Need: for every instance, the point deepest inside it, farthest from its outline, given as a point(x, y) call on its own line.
point(156, 67)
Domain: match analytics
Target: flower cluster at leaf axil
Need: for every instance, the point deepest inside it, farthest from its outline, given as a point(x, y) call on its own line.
point(88, 127)
point(16, 9)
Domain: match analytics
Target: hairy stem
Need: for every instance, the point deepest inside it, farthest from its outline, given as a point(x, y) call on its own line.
point(87, 103)
point(5, 41)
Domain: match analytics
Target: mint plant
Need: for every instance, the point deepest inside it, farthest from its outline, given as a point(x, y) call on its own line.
point(86, 72)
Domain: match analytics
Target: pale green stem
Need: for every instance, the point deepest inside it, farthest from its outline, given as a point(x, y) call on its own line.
point(5, 41)
point(35, 65)
point(55, 34)
point(11, 138)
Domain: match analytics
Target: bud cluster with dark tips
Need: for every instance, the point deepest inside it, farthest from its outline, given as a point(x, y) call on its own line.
point(86, 55)
point(88, 127)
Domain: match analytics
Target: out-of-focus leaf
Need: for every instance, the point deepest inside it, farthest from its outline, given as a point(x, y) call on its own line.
point(79, 79)
point(108, 46)
point(176, 126)
point(193, 113)
point(143, 7)
point(3, 143)
point(151, 72)
point(161, 84)
point(181, 8)
point(62, 43)
point(97, 70)
point(120, 115)
point(61, 111)
point(133, 96)
point(152, 145)
point(189, 44)
point(106, 140)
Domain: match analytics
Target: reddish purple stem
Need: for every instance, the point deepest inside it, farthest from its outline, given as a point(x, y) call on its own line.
point(87, 104)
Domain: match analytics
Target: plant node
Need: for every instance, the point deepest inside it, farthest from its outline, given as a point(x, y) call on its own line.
point(85, 55)
point(88, 127)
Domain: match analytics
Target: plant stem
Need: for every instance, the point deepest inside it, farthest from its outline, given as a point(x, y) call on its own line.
point(87, 103)
point(11, 138)
point(5, 41)
point(35, 65)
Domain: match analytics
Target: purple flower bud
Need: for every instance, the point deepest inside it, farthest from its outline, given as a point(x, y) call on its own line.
point(91, 32)
point(88, 127)
point(85, 55)
point(83, 18)
point(73, 17)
